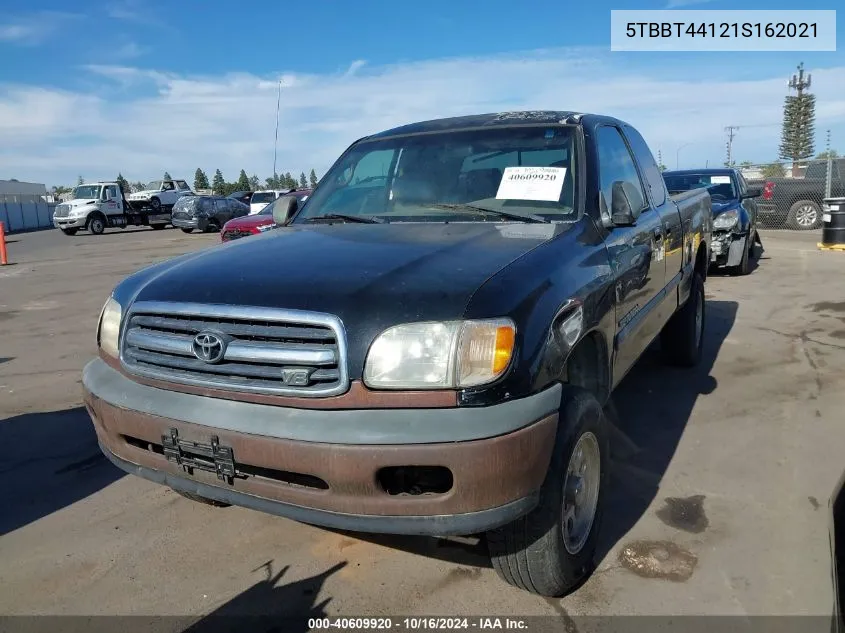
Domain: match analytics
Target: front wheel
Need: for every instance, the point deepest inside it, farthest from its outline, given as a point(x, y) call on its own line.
point(97, 224)
point(186, 230)
point(804, 215)
point(155, 203)
point(682, 338)
point(744, 266)
point(551, 550)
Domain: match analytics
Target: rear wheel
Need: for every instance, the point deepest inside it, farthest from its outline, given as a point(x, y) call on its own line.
point(212, 226)
point(804, 215)
point(157, 227)
point(69, 231)
point(551, 550)
point(97, 224)
point(682, 338)
point(203, 500)
point(187, 230)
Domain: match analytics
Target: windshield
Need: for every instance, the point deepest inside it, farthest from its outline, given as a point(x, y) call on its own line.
point(187, 203)
point(86, 191)
point(454, 176)
point(262, 197)
point(720, 186)
point(155, 185)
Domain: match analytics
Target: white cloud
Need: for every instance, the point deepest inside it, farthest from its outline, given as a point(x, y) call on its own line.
point(141, 122)
point(34, 28)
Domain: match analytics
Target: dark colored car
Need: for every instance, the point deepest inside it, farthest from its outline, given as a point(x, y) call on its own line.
point(735, 214)
point(257, 222)
point(425, 346)
point(241, 196)
point(206, 213)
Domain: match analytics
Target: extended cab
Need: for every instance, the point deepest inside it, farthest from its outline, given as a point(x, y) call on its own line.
point(424, 347)
point(161, 195)
point(98, 205)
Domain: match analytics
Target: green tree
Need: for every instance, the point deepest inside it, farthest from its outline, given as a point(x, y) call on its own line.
point(662, 167)
point(773, 170)
point(312, 179)
point(167, 176)
point(288, 181)
point(243, 182)
point(124, 184)
point(200, 180)
point(218, 185)
point(254, 182)
point(799, 122)
point(272, 182)
point(303, 181)
point(746, 163)
point(137, 186)
point(831, 153)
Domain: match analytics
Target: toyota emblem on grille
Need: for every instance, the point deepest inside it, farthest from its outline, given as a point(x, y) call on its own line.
point(209, 347)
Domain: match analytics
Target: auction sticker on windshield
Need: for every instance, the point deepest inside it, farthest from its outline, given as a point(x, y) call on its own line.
point(531, 183)
point(720, 180)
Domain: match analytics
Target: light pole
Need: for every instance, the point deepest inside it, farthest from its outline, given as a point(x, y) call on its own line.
point(678, 154)
point(276, 140)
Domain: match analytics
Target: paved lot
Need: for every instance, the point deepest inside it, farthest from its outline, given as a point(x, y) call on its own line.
point(728, 466)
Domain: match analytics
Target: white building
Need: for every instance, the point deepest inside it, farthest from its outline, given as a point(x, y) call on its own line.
point(17, 187)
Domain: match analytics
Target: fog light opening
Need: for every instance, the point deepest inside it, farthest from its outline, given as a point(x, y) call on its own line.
point(415, 480)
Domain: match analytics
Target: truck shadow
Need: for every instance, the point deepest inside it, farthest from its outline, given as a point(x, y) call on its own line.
point(648, 414)
point(53, 461)
point(268, 608)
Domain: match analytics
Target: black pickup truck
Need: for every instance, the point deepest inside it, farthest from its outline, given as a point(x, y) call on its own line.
point(797, 202)
point(423, 347)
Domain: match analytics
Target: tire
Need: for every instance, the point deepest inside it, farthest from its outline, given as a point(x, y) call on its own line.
point(533, 553)
point(682, 338)
point(211, 227)
point(744, 266)
point(97, 223)
point(155, 203)
point(804, 215)
point(70, 231)
point(157, 227)
point(203, 500)
point(187, 230)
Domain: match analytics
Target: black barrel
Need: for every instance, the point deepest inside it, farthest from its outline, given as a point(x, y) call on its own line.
point(833, 231)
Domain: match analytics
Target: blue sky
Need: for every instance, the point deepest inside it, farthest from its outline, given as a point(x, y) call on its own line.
point(142, 86)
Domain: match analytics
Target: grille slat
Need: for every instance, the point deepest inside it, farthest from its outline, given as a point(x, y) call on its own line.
point(265, 350)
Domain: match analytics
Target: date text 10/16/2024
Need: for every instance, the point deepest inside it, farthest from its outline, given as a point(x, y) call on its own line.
point(417, 624)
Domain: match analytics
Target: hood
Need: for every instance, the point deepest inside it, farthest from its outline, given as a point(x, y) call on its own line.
point(248, 222)
point(371, 276)
point(81, 202)
point(721, 207)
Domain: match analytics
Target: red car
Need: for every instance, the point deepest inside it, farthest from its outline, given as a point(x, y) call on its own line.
point(258, 222)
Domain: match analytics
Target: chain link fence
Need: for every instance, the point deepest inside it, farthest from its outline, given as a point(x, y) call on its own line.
point(792, 194)
point(25, 212)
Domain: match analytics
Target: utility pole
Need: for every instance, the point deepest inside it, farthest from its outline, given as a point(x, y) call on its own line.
point(799, 84)
point(731, 130)
point(829, 178)
point(276, 141)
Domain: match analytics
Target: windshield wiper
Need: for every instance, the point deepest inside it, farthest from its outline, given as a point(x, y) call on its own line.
point(519, 217)
point(365, 219)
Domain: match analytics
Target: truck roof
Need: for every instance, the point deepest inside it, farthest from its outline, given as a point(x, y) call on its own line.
point(715, 171)
point(496, 119)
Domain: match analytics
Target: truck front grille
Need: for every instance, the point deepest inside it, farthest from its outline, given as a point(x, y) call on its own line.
point(62, 211)
point(247, 349)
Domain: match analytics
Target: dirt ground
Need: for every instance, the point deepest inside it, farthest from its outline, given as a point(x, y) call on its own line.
point(722, 474)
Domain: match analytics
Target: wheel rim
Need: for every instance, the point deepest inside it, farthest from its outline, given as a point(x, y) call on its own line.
point(96, 226)
point(806, 215)
point(581, 492)
point(699, 318)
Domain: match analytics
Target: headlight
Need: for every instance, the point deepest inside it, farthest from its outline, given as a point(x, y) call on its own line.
point(440, 355)
point(726, 220)
point(108, 329)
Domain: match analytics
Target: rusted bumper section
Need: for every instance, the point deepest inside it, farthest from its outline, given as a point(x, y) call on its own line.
point(440, 488)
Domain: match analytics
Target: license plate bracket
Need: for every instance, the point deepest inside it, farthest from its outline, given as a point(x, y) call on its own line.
point(212, 457)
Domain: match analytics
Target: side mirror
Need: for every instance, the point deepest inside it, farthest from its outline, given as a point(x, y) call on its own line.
point(283, 209)
point(753, 192)
point(624, 200)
